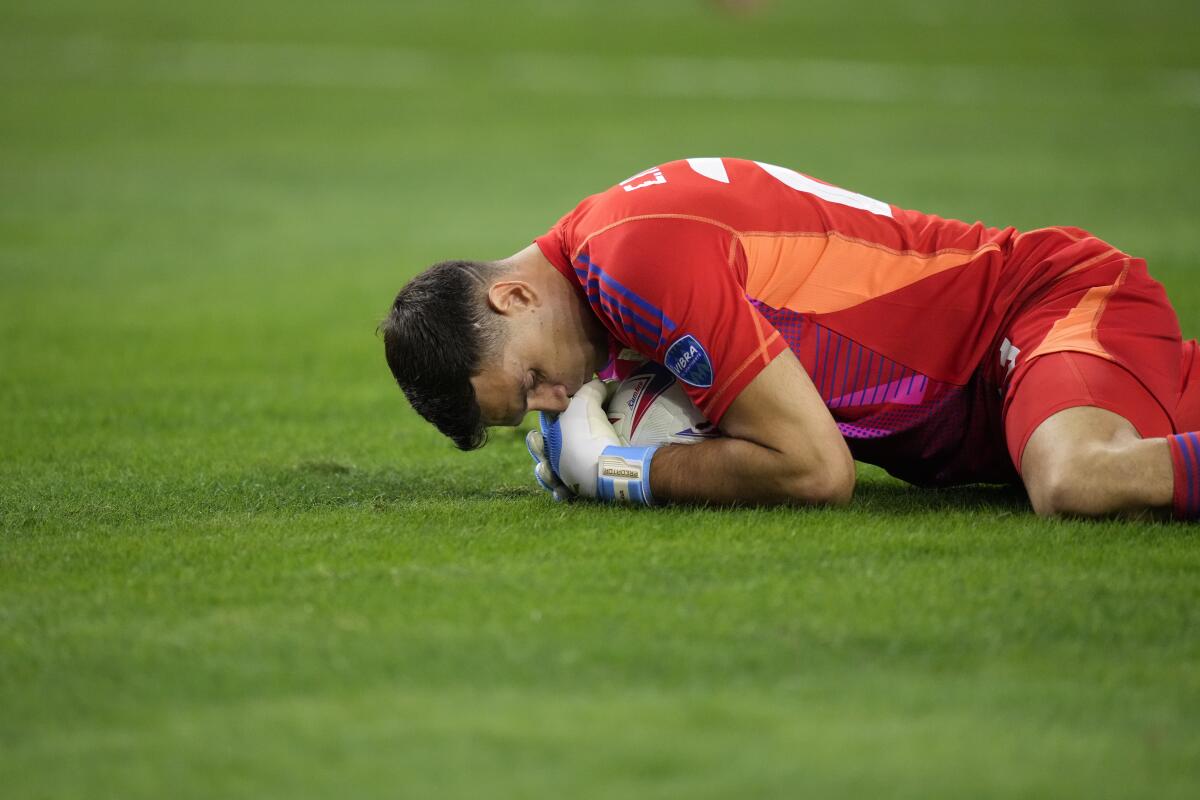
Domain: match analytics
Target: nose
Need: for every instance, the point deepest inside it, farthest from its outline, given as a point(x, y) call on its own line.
point(548, 397)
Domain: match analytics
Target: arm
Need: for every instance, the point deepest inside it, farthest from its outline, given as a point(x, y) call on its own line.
point(780, 446)
point(676, 289)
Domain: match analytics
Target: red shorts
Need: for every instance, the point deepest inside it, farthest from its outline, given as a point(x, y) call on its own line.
point(1104, 335)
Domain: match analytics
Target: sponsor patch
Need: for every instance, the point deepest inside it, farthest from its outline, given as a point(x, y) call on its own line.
point(687, 361)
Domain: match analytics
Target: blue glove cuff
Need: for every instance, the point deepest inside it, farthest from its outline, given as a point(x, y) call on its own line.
point(623, 474)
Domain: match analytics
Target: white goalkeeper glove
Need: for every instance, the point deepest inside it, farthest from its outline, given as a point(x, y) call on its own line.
point(577, 452)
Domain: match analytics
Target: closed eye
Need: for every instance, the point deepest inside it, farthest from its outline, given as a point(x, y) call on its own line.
point(526, 387)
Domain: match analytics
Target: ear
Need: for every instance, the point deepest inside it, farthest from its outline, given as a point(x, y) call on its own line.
point(512, 296)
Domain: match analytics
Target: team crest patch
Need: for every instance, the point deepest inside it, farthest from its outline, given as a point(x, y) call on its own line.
point(687, 361)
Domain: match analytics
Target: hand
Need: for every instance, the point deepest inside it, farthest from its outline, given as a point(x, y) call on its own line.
point(578, 453)
point(542, 472)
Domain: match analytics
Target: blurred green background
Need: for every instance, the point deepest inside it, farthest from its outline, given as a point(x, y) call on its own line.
point(233, 562)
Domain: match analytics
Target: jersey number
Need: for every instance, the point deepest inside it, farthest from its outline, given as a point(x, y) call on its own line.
point(714, 169)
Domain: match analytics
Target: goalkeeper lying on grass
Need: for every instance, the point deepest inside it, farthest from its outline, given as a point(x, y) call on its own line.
point(815, 326)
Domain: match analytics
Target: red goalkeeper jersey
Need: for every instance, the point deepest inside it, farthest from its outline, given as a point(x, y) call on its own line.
point(712, 266)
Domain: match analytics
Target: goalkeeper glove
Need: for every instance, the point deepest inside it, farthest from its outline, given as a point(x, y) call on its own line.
point(577, 452)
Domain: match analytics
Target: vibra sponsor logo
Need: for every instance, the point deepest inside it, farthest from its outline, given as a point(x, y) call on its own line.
point(688, 361)
point(681, 363)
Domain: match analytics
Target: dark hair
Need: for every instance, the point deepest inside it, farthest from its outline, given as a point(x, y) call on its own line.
point(436, 338)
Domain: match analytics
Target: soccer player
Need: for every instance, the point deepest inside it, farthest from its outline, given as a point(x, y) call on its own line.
point(815, 326)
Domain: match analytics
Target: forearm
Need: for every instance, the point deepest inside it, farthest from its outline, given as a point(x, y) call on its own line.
point(727, 470)
point(781, 445)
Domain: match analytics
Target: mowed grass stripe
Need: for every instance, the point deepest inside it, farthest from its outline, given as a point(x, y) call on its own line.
point(602, 744)
point(320, 66)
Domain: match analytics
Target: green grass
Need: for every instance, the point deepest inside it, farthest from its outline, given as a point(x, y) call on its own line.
point(234, 563)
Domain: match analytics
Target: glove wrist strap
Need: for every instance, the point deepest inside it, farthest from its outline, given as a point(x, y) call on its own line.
point(623, 474)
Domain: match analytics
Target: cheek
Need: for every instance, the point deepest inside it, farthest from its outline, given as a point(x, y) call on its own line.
point(494, 402)
point(562, 353)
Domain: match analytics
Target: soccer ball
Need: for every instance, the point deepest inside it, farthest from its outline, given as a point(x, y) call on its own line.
point(650, 407)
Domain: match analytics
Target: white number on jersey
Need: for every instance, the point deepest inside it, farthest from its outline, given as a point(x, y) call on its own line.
point(656, 177)
point(714, 169)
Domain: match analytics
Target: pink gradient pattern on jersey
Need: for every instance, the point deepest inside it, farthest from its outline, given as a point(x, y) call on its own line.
point(896, 391)
point(869, 395)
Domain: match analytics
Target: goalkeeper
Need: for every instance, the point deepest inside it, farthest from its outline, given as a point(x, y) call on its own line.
point(815, 326)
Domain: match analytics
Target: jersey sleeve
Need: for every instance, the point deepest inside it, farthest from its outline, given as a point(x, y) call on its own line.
point(670, 288)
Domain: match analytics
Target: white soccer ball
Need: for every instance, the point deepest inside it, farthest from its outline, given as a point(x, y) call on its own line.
point(650, 407)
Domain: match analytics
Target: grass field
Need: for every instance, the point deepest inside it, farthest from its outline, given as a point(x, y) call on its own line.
point(233, 563)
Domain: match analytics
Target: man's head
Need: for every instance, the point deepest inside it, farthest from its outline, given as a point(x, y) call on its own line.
point(474, 344)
